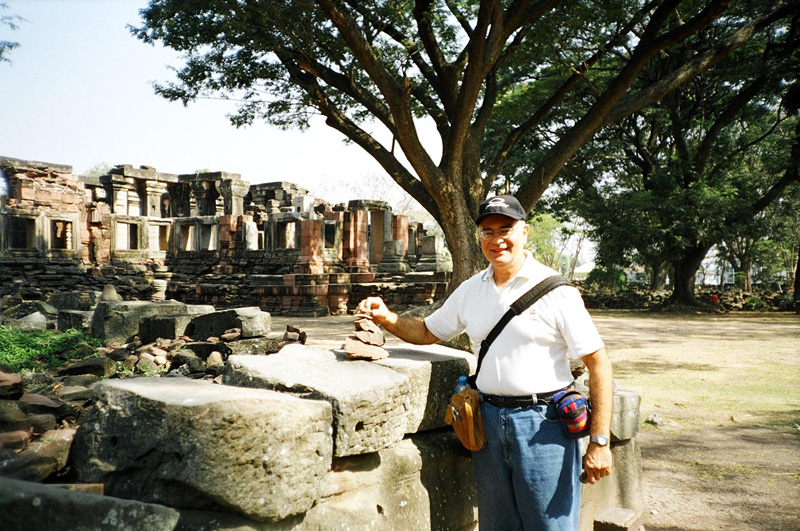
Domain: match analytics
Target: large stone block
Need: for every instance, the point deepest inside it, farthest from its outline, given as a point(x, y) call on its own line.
point(34, 321)
point(26, 506)
point(623, 488)
point(256, 346)
point(625, 422)
point(432, 373)
point(30, 307)
point(194, 444)
point(77, 319)
point(120, 319)
point(423, 483)
point(370, 402)
point(74, 300)
point(164, 327)
point(251, 320)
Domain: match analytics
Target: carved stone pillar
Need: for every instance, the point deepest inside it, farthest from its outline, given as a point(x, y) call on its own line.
point(180, 200)
point(400, 232)
point(154, 191)
point(121, 193)
point(433, 258)
point(233, 190)
point(199, 191)
point(310, 260)
point(392, 260)
point(355, 247)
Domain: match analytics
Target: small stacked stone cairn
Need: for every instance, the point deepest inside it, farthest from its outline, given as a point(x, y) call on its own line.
point(366, 343)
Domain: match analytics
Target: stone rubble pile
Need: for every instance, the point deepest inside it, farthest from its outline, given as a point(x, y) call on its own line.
point(634, 298)
point(40, 412)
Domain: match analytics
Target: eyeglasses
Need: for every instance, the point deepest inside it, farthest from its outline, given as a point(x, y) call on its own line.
point(489, 234)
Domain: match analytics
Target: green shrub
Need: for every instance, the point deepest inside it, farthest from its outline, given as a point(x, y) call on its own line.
point(755, 304)
point(611, 279)
point(39, 349)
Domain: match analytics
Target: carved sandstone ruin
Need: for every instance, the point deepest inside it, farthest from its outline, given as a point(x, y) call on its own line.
point(206, 238)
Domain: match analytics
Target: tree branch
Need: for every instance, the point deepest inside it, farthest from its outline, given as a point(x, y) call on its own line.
point(517, 134)
point(521, 13)
point(422, 14)
point(661, 88)
point(341, 82)
point(732, 109)
point(459, 16)
point(390, 88)
point(676, 128)
point(790, 176)
point(610, 108)
point(385, 158)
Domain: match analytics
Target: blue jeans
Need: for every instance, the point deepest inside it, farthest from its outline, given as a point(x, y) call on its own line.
point(528, 472)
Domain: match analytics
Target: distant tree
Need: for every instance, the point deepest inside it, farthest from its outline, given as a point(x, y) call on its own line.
point(98, 170)
point(767, 246)
point(791, 101)
point(548, 241)
point(10, 21)
point(785, 236)
point(365, 64)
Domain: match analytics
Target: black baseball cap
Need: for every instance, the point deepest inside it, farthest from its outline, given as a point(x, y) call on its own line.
point(504, 205)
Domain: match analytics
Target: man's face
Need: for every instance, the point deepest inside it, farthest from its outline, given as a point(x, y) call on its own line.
point(502, 251)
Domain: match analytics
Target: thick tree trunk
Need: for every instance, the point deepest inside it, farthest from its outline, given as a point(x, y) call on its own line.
point(458, 225)
point(722, 268)
point(747, 277)
point(658, 277)
point(684, 270)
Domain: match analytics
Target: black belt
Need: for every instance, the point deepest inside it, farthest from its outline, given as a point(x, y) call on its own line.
point(520, 401)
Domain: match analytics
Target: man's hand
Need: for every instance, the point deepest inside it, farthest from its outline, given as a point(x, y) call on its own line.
point(376, 309)
point(597, 462)
point(410, 329)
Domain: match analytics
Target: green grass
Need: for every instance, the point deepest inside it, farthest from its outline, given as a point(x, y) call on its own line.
point(763, 394)
point(40, 349)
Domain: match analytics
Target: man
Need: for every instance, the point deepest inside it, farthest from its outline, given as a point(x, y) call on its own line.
point(528, 473)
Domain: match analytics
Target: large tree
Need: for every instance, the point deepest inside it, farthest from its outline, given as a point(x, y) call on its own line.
point(663, 186)
point(365, 64)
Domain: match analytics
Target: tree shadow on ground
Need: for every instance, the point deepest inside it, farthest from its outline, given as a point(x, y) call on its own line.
point(742, 476)
point(656, 365)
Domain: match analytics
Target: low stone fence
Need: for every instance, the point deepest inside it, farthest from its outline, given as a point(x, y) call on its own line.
point(301, 439)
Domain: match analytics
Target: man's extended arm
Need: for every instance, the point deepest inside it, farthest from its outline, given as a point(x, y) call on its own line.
point(597, 461)
point(409, 329)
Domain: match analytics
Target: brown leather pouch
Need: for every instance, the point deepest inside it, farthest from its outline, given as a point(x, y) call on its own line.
point(464, 415)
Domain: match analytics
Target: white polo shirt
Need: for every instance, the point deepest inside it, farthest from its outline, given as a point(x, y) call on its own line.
point(531, 355)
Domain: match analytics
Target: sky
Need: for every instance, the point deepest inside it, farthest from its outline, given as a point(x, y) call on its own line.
point(79, 92)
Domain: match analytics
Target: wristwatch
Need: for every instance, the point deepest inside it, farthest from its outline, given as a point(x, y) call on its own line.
point(600, 440)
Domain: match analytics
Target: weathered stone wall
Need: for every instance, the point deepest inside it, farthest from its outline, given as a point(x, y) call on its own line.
point(307, 439)
point(201, 235)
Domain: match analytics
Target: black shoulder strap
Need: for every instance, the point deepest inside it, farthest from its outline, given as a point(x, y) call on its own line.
point(520, 305)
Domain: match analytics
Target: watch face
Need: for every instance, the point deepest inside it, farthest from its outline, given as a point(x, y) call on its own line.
point(602, 440)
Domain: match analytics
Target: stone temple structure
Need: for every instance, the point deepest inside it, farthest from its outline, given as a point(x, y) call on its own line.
point(207, 238)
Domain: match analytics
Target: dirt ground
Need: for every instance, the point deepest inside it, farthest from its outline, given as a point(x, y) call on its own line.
point(720, 412)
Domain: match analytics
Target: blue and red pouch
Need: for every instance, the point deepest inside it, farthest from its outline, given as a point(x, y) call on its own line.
point(574, 411)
